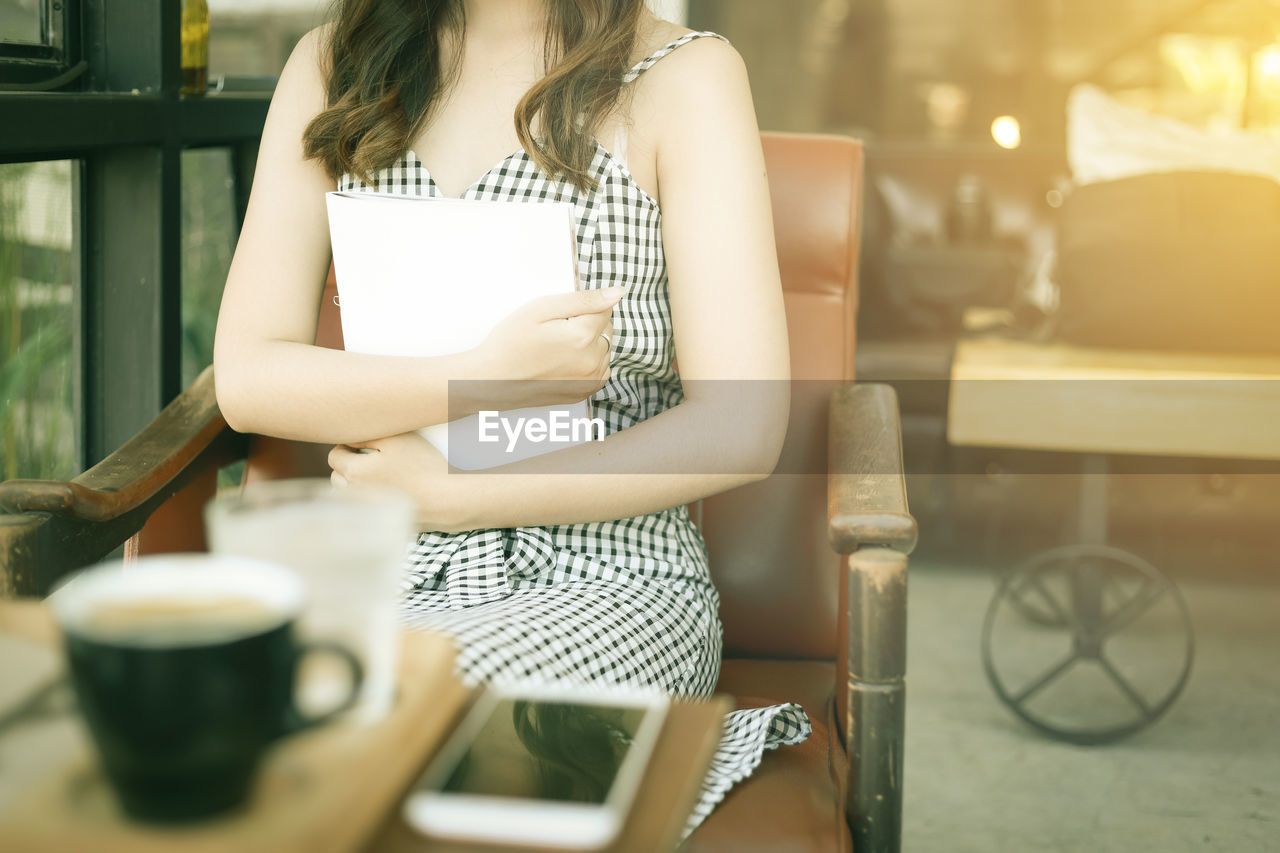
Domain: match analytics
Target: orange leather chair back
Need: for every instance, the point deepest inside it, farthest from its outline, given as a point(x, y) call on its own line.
point(777, 576)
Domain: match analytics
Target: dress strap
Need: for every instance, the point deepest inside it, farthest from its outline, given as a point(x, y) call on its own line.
point(620, 137)
point(653, 58)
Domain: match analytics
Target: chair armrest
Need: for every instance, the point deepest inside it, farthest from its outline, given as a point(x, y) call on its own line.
point(866, 487)
point(868, 520)
point(187, 428)
point(56, 527)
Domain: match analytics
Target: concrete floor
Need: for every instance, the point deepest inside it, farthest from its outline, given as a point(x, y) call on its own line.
point(1206, 776)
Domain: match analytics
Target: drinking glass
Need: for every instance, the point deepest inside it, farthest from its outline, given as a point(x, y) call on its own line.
point(348, 544)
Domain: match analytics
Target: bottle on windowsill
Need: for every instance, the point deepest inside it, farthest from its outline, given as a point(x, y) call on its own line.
point(195, 46)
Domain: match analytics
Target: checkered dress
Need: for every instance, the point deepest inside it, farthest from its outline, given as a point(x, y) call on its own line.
point(625, 602)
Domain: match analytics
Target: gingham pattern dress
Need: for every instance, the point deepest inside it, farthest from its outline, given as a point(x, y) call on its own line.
point(626, 602)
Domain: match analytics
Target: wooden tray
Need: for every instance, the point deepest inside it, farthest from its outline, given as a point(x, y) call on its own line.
point(333, 790)
point(325, 790)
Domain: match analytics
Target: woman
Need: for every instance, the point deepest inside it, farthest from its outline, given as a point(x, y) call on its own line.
point(593, 571)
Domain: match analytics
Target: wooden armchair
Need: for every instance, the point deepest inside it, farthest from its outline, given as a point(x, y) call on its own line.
point(811, 564)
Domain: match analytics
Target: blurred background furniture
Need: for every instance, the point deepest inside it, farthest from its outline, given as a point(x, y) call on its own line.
point(811, 564)
point(1087, 597)
point(966, 112)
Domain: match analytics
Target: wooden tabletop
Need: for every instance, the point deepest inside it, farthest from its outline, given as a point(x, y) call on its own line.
point(323, 790)
point(1006, 393)
point(335, 789)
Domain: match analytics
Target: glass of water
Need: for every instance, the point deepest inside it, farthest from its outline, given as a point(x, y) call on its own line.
point(348, 544)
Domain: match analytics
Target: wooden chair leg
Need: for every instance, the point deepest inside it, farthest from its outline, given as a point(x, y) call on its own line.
point(877, 697)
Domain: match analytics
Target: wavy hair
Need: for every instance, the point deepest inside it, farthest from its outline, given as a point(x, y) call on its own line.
point(385, 73)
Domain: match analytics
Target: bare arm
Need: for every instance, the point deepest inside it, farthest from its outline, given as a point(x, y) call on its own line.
point(271, 378)
point(727, 311)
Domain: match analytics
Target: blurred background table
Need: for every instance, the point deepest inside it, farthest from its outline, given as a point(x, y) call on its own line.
point(1007, 393)
point(1096, 404)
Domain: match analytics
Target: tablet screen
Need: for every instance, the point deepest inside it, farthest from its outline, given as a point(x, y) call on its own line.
point(547, 751)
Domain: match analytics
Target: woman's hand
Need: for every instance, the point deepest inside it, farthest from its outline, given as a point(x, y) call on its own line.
point(410, 464)
point(553, 350)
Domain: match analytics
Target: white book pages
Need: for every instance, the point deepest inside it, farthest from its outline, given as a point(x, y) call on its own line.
point(422, 276)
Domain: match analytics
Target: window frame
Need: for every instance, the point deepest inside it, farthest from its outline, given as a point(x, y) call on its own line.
point(37, 65)
point(126, 130)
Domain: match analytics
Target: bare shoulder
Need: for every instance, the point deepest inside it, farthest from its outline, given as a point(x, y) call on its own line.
point(656, 33)
point(702, 82)
point(312, 51)
point(303, 82)
point(702, 65)
point(698, 112)
point(316, 40)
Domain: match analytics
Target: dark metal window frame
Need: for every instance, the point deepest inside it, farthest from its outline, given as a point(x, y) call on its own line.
point(126, 132)
point(39, 64)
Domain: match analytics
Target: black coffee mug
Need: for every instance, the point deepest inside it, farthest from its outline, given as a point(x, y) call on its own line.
point(184, 668)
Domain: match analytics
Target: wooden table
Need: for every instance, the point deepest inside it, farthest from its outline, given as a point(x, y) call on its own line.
point(1056, 397)
point(1098, 403)
point(332, 790)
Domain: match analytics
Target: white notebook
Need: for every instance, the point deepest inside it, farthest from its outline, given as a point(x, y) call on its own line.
point(421, 276)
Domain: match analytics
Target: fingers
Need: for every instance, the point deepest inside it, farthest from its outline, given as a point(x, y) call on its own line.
point(606, 369)
point(335, 457)
point(339, 460)
point(587, 328)
point(604, 344)
point(575, 304)
point(596, 339)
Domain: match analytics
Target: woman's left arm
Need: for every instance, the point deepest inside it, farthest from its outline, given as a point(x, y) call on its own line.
point(730, 336)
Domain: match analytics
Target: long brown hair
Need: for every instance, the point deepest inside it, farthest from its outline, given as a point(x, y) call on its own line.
point(385, 72)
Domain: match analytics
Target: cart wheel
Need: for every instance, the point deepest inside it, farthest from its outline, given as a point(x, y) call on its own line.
point(1029, 603)
point(1087, 643)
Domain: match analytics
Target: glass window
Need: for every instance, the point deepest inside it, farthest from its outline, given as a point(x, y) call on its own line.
point(37, 42)
point(209, 232)
point(1263, 106)
point(253, 38)
point(38, 429)
point(939, 71)
point(20, 21)
point(208, 239)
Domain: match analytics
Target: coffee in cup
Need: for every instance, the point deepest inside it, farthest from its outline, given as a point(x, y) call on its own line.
point(184, 668)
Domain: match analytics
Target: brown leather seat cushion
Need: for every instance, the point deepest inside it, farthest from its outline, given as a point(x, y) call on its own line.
point(793, 801)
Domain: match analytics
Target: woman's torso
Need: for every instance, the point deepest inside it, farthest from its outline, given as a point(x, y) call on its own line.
point(619, 241)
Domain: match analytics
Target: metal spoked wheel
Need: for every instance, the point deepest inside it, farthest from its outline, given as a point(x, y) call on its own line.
point(1087, 643)
point(1031, 606)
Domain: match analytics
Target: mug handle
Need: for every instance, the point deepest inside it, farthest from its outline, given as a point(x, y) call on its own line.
point(297, 721)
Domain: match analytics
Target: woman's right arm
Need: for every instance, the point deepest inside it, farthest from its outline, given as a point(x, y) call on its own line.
point(270, 377)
